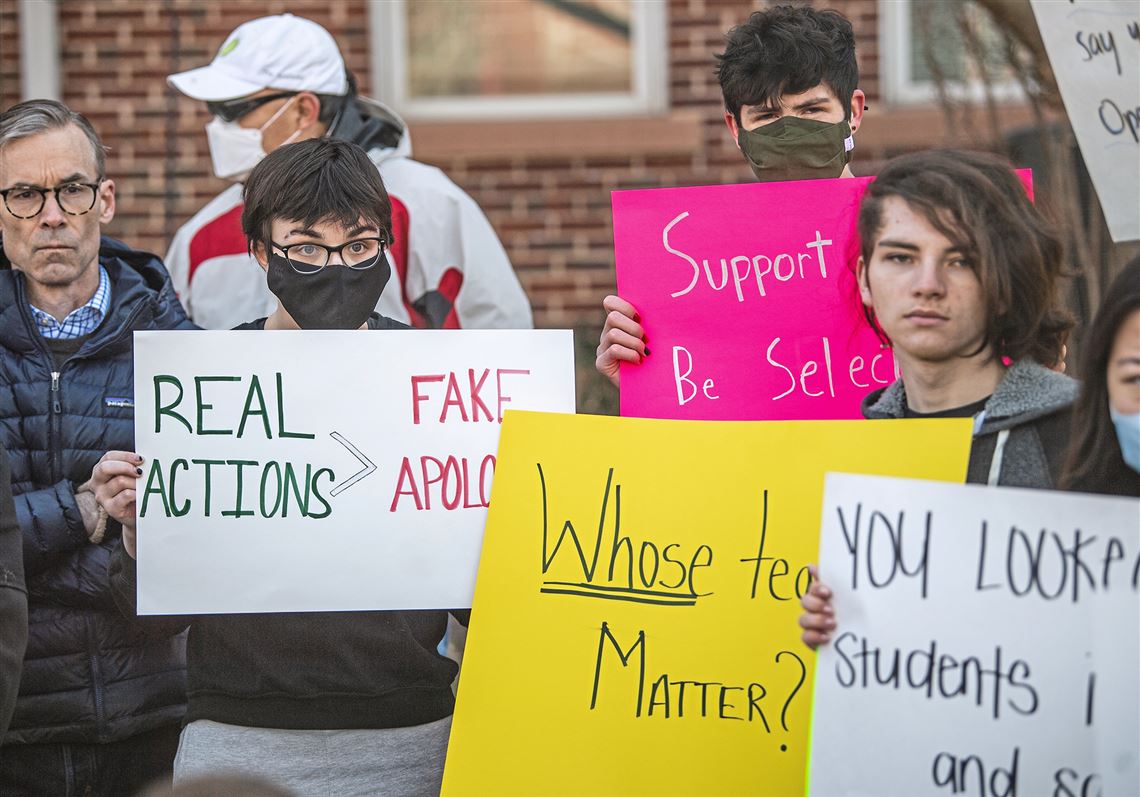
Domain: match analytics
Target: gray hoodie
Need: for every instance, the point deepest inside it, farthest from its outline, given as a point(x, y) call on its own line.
point(1020, 437)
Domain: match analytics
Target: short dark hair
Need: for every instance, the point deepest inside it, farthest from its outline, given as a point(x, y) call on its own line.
point(32, 117)
point(787, 50)
point(977, 201)
point(1095, 462)
point(314, 181)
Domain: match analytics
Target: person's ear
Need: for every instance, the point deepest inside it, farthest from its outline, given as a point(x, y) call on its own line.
point(106, 201)
point(261, 255)
point(308, 110)
point(733, 129)
point(858, 105)
point(864, 282)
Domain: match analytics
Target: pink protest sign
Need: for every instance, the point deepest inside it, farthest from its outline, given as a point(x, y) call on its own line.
point(749, 301)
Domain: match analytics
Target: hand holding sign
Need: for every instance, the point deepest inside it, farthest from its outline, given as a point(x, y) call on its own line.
point(818, 619)
point(622, 339)
point(113, 480)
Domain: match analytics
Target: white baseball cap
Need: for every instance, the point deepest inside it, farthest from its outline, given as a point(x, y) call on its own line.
point(282, 52)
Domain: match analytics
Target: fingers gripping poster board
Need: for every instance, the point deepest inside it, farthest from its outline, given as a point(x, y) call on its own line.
point(988, 642)
point(635, 630)
point(325, 470)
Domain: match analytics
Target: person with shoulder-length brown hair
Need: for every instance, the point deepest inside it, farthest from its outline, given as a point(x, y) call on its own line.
point(958, 273)
point(1104, 456)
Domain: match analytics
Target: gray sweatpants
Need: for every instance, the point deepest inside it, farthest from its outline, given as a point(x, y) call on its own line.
point(394, 762)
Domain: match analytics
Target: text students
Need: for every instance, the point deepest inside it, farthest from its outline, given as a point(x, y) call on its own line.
point(351, 703)
point(789, 78)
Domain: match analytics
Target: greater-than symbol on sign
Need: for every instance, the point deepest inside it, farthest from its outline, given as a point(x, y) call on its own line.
point(369, 465)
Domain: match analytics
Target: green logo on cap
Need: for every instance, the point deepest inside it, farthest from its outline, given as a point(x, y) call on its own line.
point(228, 47)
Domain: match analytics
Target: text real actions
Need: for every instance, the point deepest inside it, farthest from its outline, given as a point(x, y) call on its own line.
point(255, 407)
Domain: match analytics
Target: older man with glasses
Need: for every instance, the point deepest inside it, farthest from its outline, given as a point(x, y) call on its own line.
point(99, 705)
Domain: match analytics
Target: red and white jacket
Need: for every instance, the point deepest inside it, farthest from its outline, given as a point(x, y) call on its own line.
point(449, 269)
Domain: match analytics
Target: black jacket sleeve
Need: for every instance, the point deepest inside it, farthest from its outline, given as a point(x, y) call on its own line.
point(51, 521)
point(13, 599)
point(77, 579)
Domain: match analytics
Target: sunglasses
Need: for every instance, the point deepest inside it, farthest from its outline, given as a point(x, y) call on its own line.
point(232, 110)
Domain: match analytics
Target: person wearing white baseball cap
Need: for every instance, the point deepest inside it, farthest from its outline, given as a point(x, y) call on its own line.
point(284, 52)
point(281, 79)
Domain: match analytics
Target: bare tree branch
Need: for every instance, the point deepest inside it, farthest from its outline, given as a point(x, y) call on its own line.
point(1015, 17)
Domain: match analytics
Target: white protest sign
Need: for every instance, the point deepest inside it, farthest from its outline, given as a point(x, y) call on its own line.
point(1094, 49)
point(325, 470)
point(988, 642)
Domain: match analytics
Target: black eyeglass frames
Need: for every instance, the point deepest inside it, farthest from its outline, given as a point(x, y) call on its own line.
point(357, 254)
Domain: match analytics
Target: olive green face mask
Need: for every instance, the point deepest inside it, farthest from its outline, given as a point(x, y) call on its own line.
point(797, 149)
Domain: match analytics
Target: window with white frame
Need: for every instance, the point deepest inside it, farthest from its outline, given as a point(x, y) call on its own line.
point(468, 59)
point(922, 42)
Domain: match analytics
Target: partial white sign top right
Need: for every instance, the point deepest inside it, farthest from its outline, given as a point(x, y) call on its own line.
point(1094, 49)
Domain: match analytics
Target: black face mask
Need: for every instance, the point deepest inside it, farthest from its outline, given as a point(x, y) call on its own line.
point(336, 297)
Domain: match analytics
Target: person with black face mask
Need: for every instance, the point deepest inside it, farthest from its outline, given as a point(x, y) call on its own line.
point(789, 77)
point(321, 233)
point(346, 703)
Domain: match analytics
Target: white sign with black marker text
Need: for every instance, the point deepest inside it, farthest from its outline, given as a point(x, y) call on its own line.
point(988, 642)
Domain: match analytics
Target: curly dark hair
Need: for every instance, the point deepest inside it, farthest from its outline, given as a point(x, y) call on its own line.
point(787, 50)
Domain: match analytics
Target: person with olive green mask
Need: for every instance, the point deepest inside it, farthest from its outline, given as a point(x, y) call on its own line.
point(788, 77)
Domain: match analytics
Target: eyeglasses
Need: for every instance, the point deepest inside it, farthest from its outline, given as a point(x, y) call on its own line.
point(358, 254)
point(74, 199)
point(233, 110)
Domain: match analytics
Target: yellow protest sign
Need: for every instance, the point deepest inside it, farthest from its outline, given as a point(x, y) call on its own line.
point(634, 627)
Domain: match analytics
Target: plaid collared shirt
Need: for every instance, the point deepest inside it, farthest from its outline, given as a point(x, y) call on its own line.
point(79, 322)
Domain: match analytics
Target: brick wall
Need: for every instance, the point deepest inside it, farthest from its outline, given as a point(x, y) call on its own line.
point(9, 54)
point(115, 58)
point(551, 212)
point(551, 208)
point(554, 212)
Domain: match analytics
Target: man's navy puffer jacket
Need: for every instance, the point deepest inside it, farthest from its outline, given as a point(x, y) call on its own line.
point(89, 675)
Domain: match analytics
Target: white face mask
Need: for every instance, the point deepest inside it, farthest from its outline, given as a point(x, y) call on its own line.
point(235, 150)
